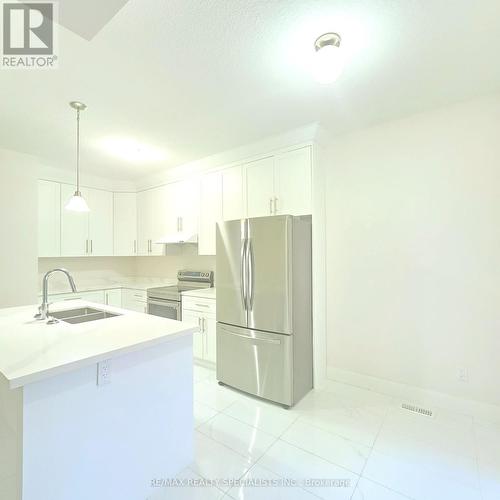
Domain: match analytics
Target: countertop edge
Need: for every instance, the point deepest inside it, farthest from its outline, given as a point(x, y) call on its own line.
point(23, 380)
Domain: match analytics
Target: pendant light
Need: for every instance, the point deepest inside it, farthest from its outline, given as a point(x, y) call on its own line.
point(77, 203)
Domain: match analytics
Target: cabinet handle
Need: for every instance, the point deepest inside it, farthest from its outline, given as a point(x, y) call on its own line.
point(202, 305)
point(270, 206)
point(199, 325)
point(86, 247)
point(91, 246)
point(275, 205)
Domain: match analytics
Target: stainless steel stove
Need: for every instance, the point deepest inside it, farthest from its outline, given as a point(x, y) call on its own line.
point(165, 301)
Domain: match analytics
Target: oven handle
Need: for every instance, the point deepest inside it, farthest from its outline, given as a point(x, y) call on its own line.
point(168, 303)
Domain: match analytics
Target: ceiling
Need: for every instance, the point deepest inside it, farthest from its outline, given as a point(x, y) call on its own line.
point(196, 77)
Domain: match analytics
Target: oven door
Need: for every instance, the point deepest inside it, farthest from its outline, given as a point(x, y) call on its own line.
point(165, 308)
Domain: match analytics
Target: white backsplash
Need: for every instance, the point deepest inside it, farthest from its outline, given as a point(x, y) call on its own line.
point(103, 270)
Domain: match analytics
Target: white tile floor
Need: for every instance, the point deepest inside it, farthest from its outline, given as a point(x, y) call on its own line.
point(361, 438)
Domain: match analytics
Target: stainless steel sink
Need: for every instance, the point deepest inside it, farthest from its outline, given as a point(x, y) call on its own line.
point(82, 315)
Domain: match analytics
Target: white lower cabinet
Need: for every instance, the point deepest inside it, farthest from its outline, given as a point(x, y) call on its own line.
point(193, 318)
point(204, 341)
point(135, 300)
point(92, 296)
point(113, 297)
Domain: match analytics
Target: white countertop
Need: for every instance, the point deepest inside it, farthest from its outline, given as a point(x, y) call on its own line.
point(31, 350)
point(108, 284)
point(202, 293)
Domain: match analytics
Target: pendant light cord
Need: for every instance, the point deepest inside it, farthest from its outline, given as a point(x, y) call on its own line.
point(78, 150)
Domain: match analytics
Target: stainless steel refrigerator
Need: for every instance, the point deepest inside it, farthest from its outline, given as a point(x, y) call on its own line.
point(264, 307)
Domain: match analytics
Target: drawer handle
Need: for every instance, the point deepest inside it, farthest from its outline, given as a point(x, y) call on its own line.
point(248, 337)
point(202, 305)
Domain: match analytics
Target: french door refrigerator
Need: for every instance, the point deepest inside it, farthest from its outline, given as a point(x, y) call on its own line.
point(264, 307)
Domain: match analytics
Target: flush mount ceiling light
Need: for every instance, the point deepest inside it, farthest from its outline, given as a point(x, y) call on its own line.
point(328, 58)
point(131, 150)
point(77, 203)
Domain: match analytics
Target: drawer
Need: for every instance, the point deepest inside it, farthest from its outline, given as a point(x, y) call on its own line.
point(131, 294)
point(205, 306)
point(259, 363)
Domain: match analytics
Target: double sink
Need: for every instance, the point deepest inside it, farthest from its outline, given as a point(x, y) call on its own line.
point(82, 315)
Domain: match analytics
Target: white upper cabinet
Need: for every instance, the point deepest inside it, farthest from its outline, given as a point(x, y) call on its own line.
point(292, 176)
point(279, 184)
point(150, 221)
point(210, 211)
point(182, 204)
point(74, 226)
point(233, 202)
point(125, 224)
point(49, 219)
point(100, 222)
point(87, 233)
point(158, 219)
point(131, 223)
point(259, 177)
point(187, 205)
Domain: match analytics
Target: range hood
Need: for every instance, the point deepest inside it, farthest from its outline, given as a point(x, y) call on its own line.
point(178, 238)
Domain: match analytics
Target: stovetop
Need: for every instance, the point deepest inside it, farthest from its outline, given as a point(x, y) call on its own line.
point(187, 280)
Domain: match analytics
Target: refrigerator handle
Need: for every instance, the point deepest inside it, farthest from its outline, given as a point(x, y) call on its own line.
point(243, 273)
point(251, 275)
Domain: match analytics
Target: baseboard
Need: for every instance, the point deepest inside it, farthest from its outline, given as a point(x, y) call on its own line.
point(481, 412)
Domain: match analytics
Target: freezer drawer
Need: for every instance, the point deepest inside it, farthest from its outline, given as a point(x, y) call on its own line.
point(259, 363)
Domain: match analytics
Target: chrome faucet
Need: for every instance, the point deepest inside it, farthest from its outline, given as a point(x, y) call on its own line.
point(43, 310)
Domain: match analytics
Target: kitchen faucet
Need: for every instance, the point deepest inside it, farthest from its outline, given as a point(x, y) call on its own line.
point(43, 310)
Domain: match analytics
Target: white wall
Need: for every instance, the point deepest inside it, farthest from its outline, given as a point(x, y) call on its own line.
point(413, 250)
point(18, 229)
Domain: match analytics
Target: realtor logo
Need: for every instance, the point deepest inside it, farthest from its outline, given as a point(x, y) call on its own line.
point(28, 35)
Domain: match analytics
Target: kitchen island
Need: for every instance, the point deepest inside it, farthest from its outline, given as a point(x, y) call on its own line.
point(92, 409)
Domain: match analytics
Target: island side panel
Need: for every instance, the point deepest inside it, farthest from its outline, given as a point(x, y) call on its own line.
point(85, 441)
point(11, 436)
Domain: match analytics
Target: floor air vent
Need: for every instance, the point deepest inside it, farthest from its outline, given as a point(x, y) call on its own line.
point(417, 409)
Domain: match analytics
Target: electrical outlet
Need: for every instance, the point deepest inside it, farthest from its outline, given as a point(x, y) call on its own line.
point(463, 375)
point(104, 372)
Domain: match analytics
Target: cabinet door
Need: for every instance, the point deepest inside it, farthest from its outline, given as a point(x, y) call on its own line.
point(209, 330)
point(113, 297)
point(187, 203)
point(193, 318)
point(293, 182)
point(260, 187)
point(144, 221)
point(232, 193)
point(49, 219)
point(93, 296)
point(210, 212)
point(74, 226)
point(125, 224)
point(159, 198)
point(100, 222)
point(134, 300)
